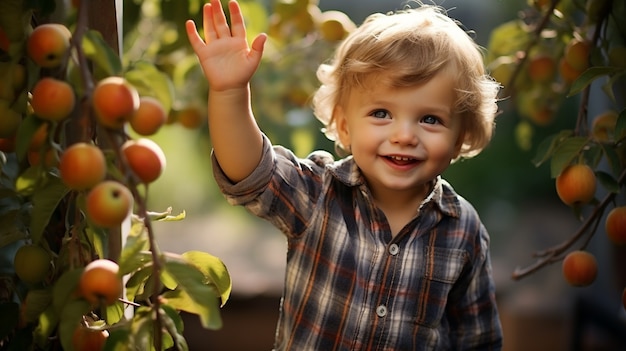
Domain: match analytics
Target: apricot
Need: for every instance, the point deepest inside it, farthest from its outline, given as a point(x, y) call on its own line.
point(190, 117)
point(88, 339)
point(108, 204)
point(567, 72)
point(82, 166)
point(100, 282)
point(145, 158)
point(39, 137)
point(52, 99)
point(615, 225)
point(149, 118)
point(580, 268)
point(49, 158)
point(577, 53)
point(32, 263)
point(576, 184)
point(603, 126)
point(48, 44)
point(10, 120)
point(541, 68)
point(14, 80)
point(114, 101)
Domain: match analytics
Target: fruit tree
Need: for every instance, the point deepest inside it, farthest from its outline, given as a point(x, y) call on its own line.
point(83, 270)
point(559, 51)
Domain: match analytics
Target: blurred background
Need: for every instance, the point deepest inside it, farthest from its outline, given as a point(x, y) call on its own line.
point(516, 200)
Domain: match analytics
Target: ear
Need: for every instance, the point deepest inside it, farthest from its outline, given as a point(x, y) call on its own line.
point(341, 122)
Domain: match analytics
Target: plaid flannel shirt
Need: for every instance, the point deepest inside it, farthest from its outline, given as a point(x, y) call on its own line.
point(351, 285)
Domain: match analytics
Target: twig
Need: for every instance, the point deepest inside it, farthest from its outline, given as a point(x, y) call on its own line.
point(554, 253)
point(545, 20)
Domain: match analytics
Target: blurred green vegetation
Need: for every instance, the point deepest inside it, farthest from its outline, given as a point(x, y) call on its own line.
point(503, 172)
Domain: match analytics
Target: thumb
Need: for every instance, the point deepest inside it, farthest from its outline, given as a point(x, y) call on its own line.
point(258, 44)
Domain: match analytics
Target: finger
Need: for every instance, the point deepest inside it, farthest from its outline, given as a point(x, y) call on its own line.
point(257, 46)
point(193, 36)
point(238, 27)
point(207, 22)
point(219, 19)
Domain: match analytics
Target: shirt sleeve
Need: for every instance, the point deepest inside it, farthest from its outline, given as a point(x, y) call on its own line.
point(282, 189)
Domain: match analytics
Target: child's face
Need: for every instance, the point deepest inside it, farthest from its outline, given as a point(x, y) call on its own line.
point(401, 138)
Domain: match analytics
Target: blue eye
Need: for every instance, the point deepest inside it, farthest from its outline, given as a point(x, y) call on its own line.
point(380, 114)
point(430, 119)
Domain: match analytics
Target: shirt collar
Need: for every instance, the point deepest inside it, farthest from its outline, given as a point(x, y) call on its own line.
point(442, 196)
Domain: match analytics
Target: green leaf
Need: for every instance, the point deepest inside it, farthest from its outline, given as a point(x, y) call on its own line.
point(136, 282)
point(565, 152)
point(208, 311)
point(612, 158)
point(149, 81)
point(192, 294)
point(47, 325)
point(548, 145)
point(45, 201)
point(134, 254)
point(69, 319)
point(174, 325)
point(25, 134)
point(589, 76)
point(97, 50)
point(65, 287)
point(214, 271)
point(37, 301)
point(114, 313)
point(28, 180)
point(608, 182)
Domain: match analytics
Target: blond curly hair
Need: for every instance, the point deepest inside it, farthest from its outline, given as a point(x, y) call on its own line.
point(410, 47)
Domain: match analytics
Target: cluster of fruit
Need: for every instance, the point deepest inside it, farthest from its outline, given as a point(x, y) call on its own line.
point(554, 52)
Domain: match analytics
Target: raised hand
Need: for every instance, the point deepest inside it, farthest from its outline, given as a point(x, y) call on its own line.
point(225, 57)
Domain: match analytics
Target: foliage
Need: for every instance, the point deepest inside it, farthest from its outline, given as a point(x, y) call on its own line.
point(38, 208)
point(581, 45)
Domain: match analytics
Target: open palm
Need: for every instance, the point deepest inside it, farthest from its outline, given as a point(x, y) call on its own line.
point(225, 57)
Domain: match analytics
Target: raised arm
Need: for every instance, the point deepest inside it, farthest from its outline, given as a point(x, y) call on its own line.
point(228, 64)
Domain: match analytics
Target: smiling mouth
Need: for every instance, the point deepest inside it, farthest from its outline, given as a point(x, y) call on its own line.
point(401, 160)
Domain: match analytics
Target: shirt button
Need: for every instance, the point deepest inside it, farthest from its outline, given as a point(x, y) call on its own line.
point(381, 311)
point(393, 249)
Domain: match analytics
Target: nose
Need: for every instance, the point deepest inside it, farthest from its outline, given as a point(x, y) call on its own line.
point(404, 133)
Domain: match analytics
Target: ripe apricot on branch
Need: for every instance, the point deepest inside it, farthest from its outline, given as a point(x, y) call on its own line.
point(577, 53)
point(86, 339)
point(576, 184)
point(145, 158)
point(108, 204)
point(541, 68)
point(603, 126)
point(149, 118)
point(53, 99)
point(48, 43)
point(100, 282)
point(615, 225)
point(580, 268)
point(32, 263)
point(114, 101)
point(82, 166)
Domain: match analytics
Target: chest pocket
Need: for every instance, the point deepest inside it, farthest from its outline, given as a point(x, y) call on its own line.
point(442, 269)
